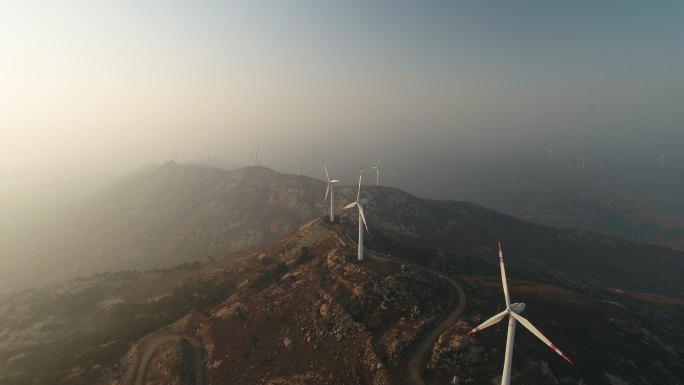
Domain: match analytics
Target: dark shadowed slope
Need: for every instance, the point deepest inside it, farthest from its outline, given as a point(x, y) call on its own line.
point(468, 234)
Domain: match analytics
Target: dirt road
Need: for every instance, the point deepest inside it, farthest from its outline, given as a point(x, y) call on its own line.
point(151, 344)
point(416, 360)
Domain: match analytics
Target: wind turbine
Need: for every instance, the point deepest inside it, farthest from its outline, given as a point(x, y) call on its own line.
point(513, 312)
point(359, 203)
point(255, 160)
point(584, 162)
point(329, 189)
point(377, 173)
point(662, 160)
point(298, 161)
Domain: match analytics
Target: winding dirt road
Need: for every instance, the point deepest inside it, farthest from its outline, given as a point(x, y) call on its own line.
point(152, 343)
point(416, 360)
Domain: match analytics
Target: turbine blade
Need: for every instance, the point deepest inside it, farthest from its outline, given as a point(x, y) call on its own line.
point(489, 322)
point(503, 278)
point(350, 205)
point(326, 172)
point(358, 193)
point(363, 217)
point(327, 191)
point(528, 325)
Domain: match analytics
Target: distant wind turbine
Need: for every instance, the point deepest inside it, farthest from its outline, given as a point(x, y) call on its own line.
point(662, 160)
point(330, 190)
point(362, 218)
point(298, 161)
point(584, 162)
point(513, 312)
point(377, 173)
point(551, 154)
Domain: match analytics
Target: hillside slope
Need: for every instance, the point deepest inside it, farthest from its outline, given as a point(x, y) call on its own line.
point(467, 234)
point(169, 215)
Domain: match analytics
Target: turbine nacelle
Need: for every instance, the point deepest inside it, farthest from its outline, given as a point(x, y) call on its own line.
point(517, 307)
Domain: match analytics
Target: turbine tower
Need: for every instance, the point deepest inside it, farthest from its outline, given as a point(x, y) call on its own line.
point(298, 161)
point(362, 219)
point(584, 162)
point(662, 160)
point(329, 189)
point(513, 312)
point(257, 162)
point(377, 173)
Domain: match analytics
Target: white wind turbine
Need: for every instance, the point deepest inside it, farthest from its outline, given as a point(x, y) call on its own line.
point(377, 173)
point(298, 161)
point(330, 190)
point(584, 162)
point(513, 312)
point(362, 218)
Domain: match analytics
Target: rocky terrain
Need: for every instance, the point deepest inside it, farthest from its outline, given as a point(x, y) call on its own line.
point(307, 313)
point(64, 333)
point(302, 310)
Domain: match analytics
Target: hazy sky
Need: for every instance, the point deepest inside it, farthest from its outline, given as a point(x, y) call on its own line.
point(97, 86)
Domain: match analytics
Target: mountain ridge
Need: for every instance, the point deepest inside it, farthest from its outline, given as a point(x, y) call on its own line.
point(180, 213)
